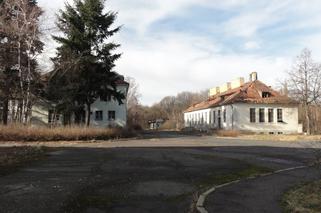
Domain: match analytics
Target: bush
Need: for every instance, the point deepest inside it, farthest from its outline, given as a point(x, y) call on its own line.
point(26, 133)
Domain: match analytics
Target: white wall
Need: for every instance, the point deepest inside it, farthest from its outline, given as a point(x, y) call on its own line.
point(105, 106)
point(238, 118)
point(290, 122)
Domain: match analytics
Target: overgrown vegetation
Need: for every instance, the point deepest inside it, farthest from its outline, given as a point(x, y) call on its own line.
point(305, 198)
point(12, 158)
point(23, 133)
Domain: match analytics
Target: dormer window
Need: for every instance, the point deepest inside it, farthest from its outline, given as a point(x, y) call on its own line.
point(266, 94)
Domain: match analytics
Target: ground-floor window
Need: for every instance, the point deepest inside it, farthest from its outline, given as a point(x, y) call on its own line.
point(111, 115)
point(280, 115)
point(271, 115)
point(99, 115)
point(252, 115)
point(262, 115)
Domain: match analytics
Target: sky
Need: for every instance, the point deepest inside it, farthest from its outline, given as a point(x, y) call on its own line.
point(170, 46)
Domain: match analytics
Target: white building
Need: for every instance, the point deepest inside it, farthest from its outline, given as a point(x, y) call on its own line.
point(107, 113)
point(251, 106)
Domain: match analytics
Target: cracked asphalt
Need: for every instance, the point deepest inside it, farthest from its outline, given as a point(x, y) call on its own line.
point(159, 174)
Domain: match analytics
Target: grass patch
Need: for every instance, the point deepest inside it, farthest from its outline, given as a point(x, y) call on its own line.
point(305, 198)
point(12, 158)
point(26, 133)
point(215, 179)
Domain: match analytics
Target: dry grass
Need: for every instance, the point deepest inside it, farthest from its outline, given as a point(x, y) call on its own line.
point(227, 133)
point(24, 133)
point(306, 198)
point(282, 137)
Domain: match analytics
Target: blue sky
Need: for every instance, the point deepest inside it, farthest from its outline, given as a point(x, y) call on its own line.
point(171, 46)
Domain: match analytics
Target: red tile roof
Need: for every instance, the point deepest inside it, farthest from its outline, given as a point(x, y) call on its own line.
point(250, 92)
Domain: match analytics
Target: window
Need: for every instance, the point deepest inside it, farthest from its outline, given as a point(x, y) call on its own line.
point(111, 115)
point(266, 94)
point(210, 117)
point(252, 115)
point(99, 115)
point(271, 115)
point(53, 116)
point(262, 115)
point(280, 115)
point(224, 115)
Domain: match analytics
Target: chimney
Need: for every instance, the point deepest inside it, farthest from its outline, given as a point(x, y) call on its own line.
point(253, 76)
point(225, 87)
point(237, 83)
point(218, 90)
point(214, 91)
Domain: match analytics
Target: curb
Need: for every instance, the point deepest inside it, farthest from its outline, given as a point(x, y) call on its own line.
point(202, 198)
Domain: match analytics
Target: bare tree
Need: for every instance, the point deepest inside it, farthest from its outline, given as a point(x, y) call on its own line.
point(305, 83)
point(133, 102)
point(20, 26)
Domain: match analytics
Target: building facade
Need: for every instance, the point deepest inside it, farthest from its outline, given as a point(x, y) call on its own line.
point(104, 113)
point(251, 106)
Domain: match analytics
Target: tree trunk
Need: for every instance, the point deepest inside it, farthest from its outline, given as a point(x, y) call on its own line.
point(307, 118)
point(5, 112)
point(88, 114)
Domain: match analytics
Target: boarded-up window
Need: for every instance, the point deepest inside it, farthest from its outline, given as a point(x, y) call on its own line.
point(262, 115)
point(280, 115)
point(252, 115)
point(271, 115)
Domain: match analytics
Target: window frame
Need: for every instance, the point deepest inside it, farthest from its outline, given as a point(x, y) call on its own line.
point(262, 115)
point(280, 115)
point(99, 115)
point(252, 115)
point(111, 118)
point(270, 115)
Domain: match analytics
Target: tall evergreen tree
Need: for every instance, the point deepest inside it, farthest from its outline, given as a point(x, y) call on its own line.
point(85, 59)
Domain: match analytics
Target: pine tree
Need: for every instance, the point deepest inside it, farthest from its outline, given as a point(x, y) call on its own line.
point(85, 59)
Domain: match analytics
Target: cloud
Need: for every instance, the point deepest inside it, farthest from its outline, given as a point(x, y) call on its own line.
point(172, 64)
point(262, 36)
point(251, 45)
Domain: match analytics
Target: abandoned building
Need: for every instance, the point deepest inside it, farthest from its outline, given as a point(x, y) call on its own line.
point(245, 106)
